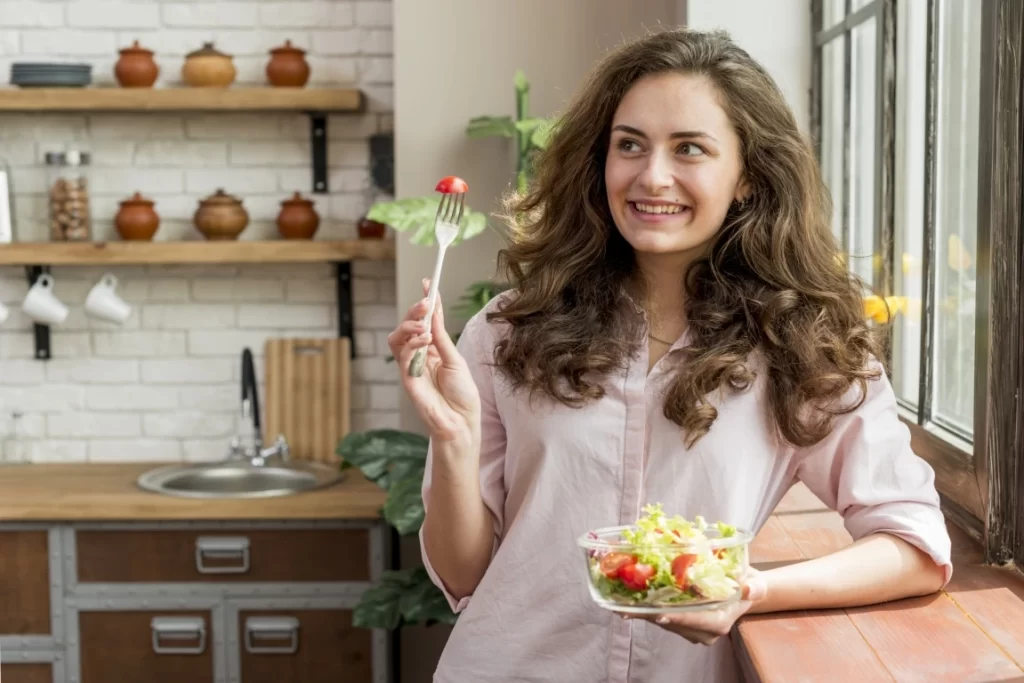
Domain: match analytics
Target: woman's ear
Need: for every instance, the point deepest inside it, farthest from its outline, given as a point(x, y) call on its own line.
point(742, 191)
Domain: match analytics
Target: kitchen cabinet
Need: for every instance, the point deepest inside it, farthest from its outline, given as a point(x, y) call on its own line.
point(239, 601)
point(36, 672)
point(156, 646)
point(24, 582)
point(302, 645)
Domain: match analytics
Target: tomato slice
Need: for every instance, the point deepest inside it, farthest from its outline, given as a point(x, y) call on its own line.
point(613, 562)
point(679, 567)
point(452, 185)
point(636, 576)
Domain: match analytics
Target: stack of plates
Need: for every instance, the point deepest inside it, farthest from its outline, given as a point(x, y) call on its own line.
point(50, 75)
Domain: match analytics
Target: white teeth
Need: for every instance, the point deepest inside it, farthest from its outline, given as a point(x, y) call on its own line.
point(658, 208)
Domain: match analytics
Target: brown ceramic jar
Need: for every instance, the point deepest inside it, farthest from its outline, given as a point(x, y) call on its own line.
point(221, 217)
point(208, 67)
point(371, 229)
point(287, 67)
point(137, 220)
point(297, 219)
point(136, 68)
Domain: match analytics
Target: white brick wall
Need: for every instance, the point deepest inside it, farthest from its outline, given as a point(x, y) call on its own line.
point(165, 385)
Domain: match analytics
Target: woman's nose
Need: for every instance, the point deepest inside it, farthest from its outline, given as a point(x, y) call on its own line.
point(657, 174)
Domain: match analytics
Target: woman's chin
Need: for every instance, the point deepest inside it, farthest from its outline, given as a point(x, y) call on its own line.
point(649, 242)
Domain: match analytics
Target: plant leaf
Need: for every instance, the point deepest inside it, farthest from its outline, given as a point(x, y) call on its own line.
point(490, 126)
point(402, 597)
point(476, 297)
point(417, 214)
point(404, 507)
point(380, 605)
point(384, 455)
point(542, 134)
point(473, 223)
point(423, 602)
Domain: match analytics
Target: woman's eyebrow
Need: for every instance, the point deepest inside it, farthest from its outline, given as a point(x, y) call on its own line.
point(678, 134)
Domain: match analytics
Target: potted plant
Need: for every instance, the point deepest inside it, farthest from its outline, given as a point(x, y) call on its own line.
point(396, 460)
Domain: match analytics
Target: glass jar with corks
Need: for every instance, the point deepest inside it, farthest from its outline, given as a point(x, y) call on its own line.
point(68, 180)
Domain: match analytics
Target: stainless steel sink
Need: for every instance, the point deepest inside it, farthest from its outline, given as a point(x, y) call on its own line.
point(239, 479)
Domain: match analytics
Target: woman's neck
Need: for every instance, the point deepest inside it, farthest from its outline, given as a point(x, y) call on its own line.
point(664, 294)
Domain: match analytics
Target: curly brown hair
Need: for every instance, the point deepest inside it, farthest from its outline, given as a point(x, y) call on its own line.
point(771, 283)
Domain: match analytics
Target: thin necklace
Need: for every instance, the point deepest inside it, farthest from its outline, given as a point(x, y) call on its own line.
point(666, 343)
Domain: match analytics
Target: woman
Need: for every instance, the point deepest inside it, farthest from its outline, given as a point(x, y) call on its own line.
point(679, 330)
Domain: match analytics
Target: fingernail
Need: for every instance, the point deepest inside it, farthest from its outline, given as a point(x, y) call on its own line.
point(663, 620)
point(755, 591)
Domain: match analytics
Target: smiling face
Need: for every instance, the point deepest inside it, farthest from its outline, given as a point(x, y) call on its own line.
point(673, 166)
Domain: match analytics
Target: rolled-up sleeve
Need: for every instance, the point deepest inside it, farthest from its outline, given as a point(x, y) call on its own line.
point(476, 345)
point(865, 470)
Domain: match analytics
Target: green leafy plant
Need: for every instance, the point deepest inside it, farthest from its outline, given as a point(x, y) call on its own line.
point(396, 460)
point(530, 133)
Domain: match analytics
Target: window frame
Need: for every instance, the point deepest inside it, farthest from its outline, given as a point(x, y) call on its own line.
point(981, 484)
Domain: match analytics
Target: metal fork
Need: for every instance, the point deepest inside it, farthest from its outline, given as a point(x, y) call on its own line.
point(446, 229)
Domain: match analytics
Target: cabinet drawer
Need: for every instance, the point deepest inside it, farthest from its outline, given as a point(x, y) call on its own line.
point(27, 672)
point(160, 646)
point(24, 583)
point(312, 646)
point(293, 555)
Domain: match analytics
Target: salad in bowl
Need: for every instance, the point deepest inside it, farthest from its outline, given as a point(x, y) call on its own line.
point(665, 564)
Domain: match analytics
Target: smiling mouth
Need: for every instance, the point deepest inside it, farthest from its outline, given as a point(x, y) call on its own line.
point(657, 209)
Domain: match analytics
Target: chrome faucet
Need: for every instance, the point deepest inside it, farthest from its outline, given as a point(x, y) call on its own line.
point(254, 452)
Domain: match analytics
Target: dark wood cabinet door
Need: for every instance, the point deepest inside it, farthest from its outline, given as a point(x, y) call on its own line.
point(27, 672)
point(242, 555)
point(303, 646)
point(24, 583)
point(161, 646)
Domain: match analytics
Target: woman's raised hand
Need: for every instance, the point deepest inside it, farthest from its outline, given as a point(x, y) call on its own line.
point(445, 395)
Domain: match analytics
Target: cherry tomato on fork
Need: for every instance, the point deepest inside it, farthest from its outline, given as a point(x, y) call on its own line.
point(452, 185)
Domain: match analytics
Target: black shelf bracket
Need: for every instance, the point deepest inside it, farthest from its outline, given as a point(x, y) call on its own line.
point(318, 143)
point(42, 332)
point(346, 328)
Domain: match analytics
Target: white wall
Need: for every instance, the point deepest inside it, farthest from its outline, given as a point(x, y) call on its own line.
point(165, 386)
point(777, 33)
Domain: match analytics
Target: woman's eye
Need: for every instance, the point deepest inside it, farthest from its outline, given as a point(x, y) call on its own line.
point(689, 149)
point(628, 146)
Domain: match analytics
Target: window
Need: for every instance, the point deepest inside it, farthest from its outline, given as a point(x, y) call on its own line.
point(917, 121)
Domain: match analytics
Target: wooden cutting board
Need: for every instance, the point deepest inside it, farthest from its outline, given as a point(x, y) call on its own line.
point(308, 395)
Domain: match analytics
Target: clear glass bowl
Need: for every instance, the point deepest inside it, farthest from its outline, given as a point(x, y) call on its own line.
point(694, 575)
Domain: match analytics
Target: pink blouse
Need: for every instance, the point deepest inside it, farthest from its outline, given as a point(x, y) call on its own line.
point(550, 473)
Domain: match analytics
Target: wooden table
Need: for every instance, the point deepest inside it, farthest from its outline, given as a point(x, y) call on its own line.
point(973, 630)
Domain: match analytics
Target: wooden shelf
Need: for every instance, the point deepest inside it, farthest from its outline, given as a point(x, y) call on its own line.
point(194, 252)
point(108, 99)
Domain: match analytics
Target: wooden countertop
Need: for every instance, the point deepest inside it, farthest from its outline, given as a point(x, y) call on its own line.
point(81, 492)
point(973, 630)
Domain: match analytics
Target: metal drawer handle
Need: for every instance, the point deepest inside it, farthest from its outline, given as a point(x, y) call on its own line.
point(222, 547)
point(277, 628)
point(178, 628)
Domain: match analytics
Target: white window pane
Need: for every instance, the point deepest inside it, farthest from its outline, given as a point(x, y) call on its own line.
point(832, 127)
point(908, 240)
point(833, 12)
point(864, 85)
point(956, 212)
